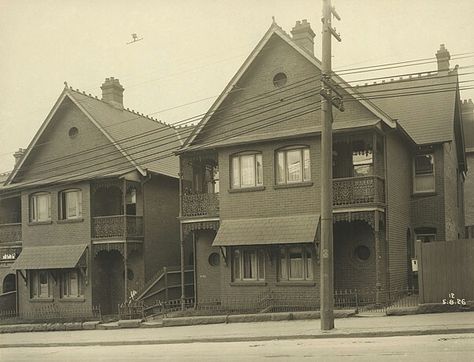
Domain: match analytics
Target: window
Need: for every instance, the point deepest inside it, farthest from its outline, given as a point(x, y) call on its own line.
point(40, 207)
point(247, 170)
point(72, 285)
point(40, 284)
point(362, 253)
point(73, 132)
point(248, 264)
point(279, 80)
point(424, 173)
point(296, 263)
point(293, 165)
point(70, 204)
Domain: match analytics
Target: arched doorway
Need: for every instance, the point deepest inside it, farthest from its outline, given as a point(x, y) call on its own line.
point(108, 284)
point(9, 283)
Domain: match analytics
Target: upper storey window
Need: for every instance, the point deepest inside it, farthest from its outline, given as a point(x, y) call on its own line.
point(70, 204)
point(293, 165)
point(424, 180)
point(247, 170)
point(40, 207)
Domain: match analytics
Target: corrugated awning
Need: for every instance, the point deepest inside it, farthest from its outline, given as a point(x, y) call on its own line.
point(269, 230)
point(50, 257)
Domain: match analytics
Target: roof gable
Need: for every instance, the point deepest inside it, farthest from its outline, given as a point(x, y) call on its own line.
point(267, 46)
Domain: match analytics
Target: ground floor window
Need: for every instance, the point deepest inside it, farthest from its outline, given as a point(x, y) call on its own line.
point(40, 284)
point(295, 263)
point(72, 284)
point(248, 264)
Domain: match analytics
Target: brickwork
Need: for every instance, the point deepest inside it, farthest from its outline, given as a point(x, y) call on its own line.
point(208, 276)
point(469, 190)
point(399, 187)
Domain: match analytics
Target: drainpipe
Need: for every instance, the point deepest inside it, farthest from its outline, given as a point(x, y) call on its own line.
point(124, 200)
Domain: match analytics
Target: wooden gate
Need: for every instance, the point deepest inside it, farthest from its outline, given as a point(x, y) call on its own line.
point(446, 270)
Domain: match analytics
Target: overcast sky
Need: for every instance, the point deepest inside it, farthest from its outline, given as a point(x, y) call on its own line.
point(191, 49)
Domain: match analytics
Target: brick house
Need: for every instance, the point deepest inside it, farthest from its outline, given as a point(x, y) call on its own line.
point(251, 174)
point(468, 122)
point(90, 208)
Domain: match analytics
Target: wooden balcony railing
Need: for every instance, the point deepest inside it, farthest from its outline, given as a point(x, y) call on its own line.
point(10, 232)
point(352, 191)
point(114, 226)
point(201, 205)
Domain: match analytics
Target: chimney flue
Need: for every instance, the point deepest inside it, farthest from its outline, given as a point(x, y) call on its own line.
point(19, 155)
point(443, 57)
point(303, 35)
point(112, 92)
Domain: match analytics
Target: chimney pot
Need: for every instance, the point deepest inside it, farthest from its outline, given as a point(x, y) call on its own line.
point(303, 35)
point(112, 92)
point(443, 57)
point(19, 155)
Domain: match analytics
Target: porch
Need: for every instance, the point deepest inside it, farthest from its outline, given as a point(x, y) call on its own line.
point(10, 220)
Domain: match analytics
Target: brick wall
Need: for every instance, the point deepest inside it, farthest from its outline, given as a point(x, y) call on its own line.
point(398, 190)
point(208, 276)
point(161, 200)
point(469, 190)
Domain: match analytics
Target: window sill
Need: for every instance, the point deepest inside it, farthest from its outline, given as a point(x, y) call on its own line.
point(41, 300)
point(289, 186)
point(249, 283)
point(423, 193)
point(247, 189)
point(70, 221)
point(72, 299)
point(33, 223)
point(296, 283)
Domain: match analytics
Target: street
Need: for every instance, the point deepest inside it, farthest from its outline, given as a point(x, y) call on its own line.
point(452, 347)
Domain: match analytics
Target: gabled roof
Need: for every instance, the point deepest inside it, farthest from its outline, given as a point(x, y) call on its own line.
point(423, 105)
point(278, 31)
point(143, 141)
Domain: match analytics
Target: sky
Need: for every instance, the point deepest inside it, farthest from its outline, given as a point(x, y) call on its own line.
point(191, 49)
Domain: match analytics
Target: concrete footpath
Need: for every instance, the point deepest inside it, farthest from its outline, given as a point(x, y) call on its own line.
point(369, 326)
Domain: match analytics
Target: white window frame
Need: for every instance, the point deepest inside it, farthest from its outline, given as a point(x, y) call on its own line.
point(34, 206)
point(36, 291)
point(257, 171)
point(431, 175)
point(64, 204)
point(285, 179)
point(284, 264)
point(238, 261)
point(66, 285)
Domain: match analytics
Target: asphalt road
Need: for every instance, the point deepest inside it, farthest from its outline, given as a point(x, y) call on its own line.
point(450, 347)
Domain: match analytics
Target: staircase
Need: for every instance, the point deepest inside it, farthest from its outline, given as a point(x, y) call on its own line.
point(164, 286)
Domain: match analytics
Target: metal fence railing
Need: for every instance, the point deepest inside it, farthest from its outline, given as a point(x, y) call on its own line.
point(52, 313)
point(278, 301)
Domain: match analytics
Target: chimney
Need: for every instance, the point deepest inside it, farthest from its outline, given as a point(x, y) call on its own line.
point(467, 110)
point(19, 155)
point(443, 56)
point(112, 92)
point(303, 35)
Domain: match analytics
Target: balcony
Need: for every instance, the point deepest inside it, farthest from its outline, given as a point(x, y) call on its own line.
point(10, 232)
point(117, 226)
point(200, 205)
point(354, 191)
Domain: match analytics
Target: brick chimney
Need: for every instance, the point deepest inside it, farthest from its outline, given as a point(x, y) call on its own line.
point(303, 35)
point(112, 92)
point(19, 155)
point(443, 57)
point(467, 109)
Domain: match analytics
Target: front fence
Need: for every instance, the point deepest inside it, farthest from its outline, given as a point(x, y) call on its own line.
point(52, 313)
point(364, 300)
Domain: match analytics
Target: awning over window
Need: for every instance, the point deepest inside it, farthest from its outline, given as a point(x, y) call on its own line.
point(269, 230)
point(49, 257)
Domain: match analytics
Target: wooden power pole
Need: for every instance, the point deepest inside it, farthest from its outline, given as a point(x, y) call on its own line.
point(327, 101)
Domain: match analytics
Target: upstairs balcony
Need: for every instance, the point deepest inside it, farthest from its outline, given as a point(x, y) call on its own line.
point(358, 191)
point(117, 209)
point(117, 226)
point(10, 220)
point(10, 232)
point(200, 205)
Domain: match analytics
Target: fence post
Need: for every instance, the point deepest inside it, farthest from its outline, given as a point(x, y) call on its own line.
point(419, 257)
point(356, 302)
point(165, 272)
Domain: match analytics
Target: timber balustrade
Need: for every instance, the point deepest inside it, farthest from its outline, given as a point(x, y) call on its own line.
point(114, 226)
point(10, 232)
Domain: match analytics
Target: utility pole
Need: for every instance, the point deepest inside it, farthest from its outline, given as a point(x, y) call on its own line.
point(327, 101)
